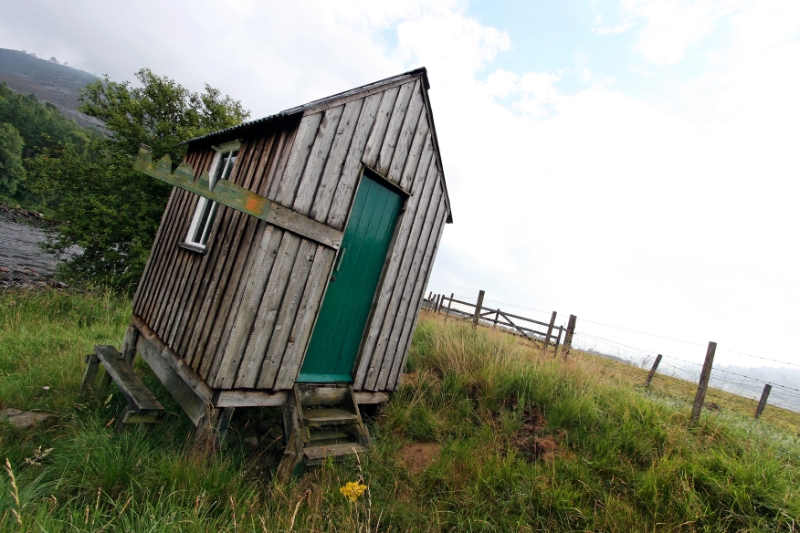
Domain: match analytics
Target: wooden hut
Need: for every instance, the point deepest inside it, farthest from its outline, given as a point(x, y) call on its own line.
point(292, 258)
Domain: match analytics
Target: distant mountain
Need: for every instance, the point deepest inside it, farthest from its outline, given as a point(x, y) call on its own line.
point(49, 81)
point(785, 383)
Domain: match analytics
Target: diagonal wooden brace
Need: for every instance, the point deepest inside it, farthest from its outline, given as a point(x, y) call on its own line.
point(239, 198)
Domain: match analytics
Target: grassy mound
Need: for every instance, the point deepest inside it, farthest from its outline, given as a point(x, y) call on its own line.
point(485, 434)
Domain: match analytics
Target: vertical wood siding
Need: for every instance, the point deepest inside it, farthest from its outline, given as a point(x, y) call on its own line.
point(242, 314)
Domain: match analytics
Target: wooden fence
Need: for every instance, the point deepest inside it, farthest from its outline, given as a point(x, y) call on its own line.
point(549, 334)
point(533, 330)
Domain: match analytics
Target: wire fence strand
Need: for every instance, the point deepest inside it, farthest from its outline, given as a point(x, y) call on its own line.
point(721, 378)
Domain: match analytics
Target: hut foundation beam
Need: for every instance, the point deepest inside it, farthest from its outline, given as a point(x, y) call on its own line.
point(195, 406)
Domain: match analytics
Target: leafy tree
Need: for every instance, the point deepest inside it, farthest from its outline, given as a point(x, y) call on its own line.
point(160, 113)
point(11, 169)
point(41, 125)
point(100, 203)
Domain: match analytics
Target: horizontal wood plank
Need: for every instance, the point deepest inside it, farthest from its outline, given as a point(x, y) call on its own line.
point(133, 389)
point(171, 359)
point(195, 408)
point(316, 454)
point(371, 398)
point(239, 198)
point(250, 398)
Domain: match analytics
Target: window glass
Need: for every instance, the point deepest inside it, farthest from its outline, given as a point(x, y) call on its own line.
point(204, 213)
point(201, 229)
point(228, 160)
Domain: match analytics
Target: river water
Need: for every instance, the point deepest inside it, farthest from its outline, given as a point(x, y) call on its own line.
point(22, 262)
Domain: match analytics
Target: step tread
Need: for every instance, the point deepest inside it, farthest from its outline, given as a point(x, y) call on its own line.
point(328, 416)
point(329, 396)
point(315, 453)
point(135, 391)
point(321, 434)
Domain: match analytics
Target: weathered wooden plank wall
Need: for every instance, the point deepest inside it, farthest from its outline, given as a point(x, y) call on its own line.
point(242, 314)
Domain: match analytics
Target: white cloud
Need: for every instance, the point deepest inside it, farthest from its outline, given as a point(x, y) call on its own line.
point(672, 26)
point(622, 27)
point(644, 215)
point(535, 92)
point(450, 44)
point(501, 83)
point(670, 219)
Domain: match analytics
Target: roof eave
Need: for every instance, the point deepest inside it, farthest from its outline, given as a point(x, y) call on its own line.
point(314, 105)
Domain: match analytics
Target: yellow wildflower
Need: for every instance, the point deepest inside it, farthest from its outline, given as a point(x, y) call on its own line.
point(352, 490)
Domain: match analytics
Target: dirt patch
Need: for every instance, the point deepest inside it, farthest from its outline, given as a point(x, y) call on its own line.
point(531, 441)
point(410, 380)
point(419, 456)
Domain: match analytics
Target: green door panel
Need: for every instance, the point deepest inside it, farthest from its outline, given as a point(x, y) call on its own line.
point(337, 334)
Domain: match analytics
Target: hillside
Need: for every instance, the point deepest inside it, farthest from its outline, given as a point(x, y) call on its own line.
point(50, 82)
point(484, 434)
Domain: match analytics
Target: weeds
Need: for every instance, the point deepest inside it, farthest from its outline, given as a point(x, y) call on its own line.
point(508, 441)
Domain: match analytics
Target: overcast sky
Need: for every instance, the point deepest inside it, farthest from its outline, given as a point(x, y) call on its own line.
point(634, 163)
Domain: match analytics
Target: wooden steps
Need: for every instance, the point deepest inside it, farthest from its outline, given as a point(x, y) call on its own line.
point(321, 421)
point(143, 407)
point(328, 417)
point(315, 455)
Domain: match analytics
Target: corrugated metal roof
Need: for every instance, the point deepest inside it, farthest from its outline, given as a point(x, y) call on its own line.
point(322, 102)
point(330, 101)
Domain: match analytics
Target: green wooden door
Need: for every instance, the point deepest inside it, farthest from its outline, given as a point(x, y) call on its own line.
point(337, 335)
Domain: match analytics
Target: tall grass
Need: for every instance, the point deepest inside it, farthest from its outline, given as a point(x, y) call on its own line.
point(519, 443)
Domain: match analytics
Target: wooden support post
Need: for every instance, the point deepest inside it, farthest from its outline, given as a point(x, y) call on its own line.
point(128, 350)
point(430, 300)
point(570, 333)
point(293, 453)
point(549, 331)
point(438, 303)
point(702, 386)
point(210, 433)
point(477, 316)
point(105, 381)
point(558, 339)
point(763, 403)
point(192, 395)
point(652, 371)
point(92, 364)
point(449, 303)
point(496, 318)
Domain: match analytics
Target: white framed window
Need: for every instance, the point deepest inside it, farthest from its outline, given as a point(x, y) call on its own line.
point(203, 217)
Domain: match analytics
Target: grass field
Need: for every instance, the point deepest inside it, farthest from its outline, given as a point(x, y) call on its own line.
point(485, 434)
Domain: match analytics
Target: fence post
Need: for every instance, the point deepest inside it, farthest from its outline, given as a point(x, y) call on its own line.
point(570, 333)
point(436, 303)
point(558, 339)
point(763, 403)
point(477, 316)
point(449, 304)
point(652, 371)
point(549, 331)
point(702, 385)
point(496, 318)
